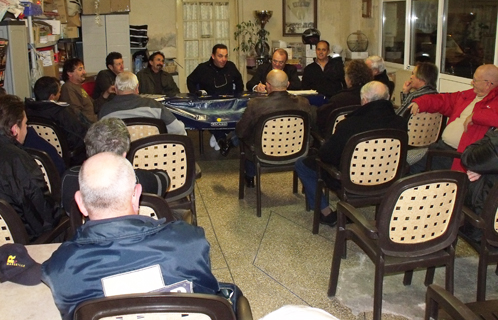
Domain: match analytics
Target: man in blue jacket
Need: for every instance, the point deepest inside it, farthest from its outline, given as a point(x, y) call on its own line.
point(117, 242)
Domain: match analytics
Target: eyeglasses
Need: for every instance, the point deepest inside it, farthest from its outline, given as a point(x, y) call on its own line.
point(280, 63)
point(474, 80)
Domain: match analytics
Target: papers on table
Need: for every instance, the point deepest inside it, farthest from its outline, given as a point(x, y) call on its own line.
point(302, 92)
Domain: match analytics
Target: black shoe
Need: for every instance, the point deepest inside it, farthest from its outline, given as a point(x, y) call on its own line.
point(224, 146)
point(330, 219)
point(250, 182)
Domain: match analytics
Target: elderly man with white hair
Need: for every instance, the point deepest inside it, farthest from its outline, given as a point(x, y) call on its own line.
point(376, 112)
point(128, 104)
point(376, 64)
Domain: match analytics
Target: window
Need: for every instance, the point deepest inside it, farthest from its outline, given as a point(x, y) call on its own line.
point(393, 36)
point(423, 31)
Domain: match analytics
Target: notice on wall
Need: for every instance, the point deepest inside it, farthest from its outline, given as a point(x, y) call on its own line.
point(3, 59)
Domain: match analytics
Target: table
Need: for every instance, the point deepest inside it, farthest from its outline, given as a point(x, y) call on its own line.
point(29, 302)
point(216, 113)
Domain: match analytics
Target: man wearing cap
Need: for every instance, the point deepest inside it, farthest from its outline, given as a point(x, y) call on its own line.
point(326, 73)
point(117, 242)
point(278, 62)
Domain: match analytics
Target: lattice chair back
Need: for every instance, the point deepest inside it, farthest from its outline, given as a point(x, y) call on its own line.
point(338, 115)
point(373, 160)
point(49, 171)
point(11, 227)
point(144, 127)
point(54, 135)
point(282, 137)
point(422, 213)
point(169, 152)
point(424, 128)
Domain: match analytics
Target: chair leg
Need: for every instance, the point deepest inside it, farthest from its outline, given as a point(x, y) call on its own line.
point(379, 278)
point(192, 208)
point(258, 189)
point(201, 141)
point(294, 181)
point(242, 173)
point(481, 276)
point(429, 276)
point(450, 270)
point(407, 279)
point(340, 244)
point(316, 212)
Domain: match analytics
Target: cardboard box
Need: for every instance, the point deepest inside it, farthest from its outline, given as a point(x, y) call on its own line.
point(58, 6)
point(55, 24)
point(69, 32)
point(106, 6)
point(74, 21)
point(50, 67)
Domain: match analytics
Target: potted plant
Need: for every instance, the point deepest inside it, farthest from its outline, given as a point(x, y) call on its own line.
point(246, 33)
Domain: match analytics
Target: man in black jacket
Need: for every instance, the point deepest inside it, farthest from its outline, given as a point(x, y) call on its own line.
point(376, 112)
point(23, 185)
point(47, 92)
point(105, 78)
point(278, 62)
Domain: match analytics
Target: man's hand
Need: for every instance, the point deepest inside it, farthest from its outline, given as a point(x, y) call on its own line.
point(407, 86)
point(261, 88)
point(473, 176)
point(414, 108)
point(468, 122)
point(109, 91)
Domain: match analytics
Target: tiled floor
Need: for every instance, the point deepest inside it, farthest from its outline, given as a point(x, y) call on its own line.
point(276, 260)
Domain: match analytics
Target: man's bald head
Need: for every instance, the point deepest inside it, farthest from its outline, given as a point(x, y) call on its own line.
point(278, 81)
point(490, 72)
point(485, 79)
point(107, 187)
point(373, 91)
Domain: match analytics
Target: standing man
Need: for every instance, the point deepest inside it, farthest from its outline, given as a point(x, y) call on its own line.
point(421, 82)
point(73, 73)
point(278, 62)
point(105, 78)
point(470, 113)
point(154, 80)
point(128, 104)
point(326, 74)
point(278, 99)
point(117, 241)
point(376, 64)
point(217, 76)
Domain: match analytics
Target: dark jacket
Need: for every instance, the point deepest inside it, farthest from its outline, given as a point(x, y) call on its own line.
point(63, 116)
point(103, 248)
point(344, 98)
point(24, 188)
point(374, 115)
point(214, 80)
point(260, 106)
point(105, 79)
point(262, 72)
point(146, 83)
point(328, 81)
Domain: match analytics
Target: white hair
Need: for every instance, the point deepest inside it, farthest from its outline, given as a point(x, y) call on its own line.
point(377, 63)
point(373, 91)
point(126, 81)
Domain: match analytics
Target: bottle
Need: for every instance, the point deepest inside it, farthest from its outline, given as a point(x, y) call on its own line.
point(138, 63)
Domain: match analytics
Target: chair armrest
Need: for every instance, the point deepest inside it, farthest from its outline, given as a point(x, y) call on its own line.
point(243, 309)
point(330, 169)
point(473, 218)
point(59, 230)
point(431, 153)
point(438, 297)
point(198, 171)
point(358, 218)
point(318, 137)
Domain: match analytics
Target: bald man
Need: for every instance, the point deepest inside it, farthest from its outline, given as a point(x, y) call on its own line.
point(470, 115)
point(117, 240)
point(376, 112)
point(278, 99)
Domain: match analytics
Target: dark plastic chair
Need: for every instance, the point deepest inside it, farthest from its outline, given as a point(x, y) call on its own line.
point(416, 227)
point(439, 303)
point(488, 246)
point(175, 155)
point(144, 127)
point(12, 229)
point(281, 138)
point(147, 305)
point(53, 134)
point(336, 116)
point(370, 163)
point(50, 173)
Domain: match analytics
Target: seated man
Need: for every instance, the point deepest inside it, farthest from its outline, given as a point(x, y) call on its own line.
point(117, 240)
point(470, 115)
point(47, 92)
point(376, 112)
point(376, 64)
point(111, 135)
point(23, 185)
point(278, 99)
point(105, 78)
point(73, 74)
point(357, 74)
point(421, 82)
point(279, 62)
point(128, 104)
point(154, 80)
point(326, 73)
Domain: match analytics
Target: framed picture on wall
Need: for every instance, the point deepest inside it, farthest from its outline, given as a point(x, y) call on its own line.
point(298, 15)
